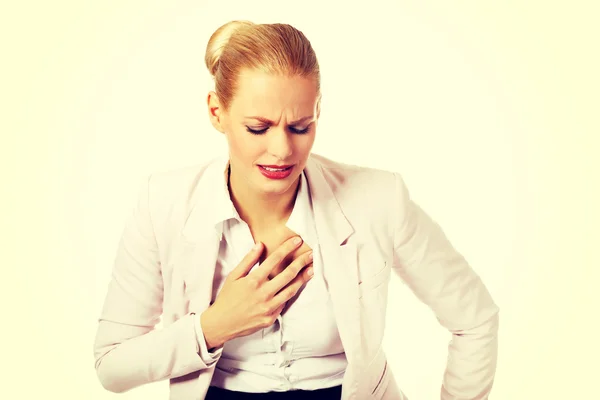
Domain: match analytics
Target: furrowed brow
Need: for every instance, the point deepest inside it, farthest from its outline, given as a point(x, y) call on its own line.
point(268, 121)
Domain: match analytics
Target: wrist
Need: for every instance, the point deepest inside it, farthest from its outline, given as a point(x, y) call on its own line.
point(210, 330)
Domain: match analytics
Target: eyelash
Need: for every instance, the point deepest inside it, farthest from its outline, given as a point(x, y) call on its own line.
point(261, 131)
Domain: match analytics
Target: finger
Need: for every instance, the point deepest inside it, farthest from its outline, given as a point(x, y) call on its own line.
point(269, 318)
point(286, 276)
point(278, 310)
point(289, 291)
point(272, 262)
point(249, 260)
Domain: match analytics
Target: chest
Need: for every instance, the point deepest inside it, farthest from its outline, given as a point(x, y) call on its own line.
point(272, 239)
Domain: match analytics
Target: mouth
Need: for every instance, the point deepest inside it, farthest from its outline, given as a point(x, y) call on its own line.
point(276, 168)
point(276, 171)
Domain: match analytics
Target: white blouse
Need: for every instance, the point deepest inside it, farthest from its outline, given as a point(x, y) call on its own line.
point(302, 349)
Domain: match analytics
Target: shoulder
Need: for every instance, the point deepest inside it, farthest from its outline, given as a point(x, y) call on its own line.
point(171, 195)
point(175, 191)
point(181, 180)
point(370, 198)
point(345, 178)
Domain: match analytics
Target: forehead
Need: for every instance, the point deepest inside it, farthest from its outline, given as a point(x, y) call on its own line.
point(265, 94)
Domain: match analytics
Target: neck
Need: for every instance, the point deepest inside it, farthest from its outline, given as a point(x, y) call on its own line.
point(258, 209)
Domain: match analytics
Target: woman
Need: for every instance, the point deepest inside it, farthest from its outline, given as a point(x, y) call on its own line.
point(282, 319)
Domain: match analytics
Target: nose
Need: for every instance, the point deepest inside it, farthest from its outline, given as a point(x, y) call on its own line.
point(280, 144)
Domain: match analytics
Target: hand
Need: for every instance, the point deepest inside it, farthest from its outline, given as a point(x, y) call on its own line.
point(250, 301)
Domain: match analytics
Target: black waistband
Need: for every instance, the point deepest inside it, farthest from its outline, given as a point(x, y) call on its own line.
point(333, 393)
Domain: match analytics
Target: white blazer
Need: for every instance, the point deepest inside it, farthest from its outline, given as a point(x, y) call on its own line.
point(367, 226)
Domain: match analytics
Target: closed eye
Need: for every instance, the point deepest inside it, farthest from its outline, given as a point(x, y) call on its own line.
point(291, 128)
point(255, 131)
point(299, 131)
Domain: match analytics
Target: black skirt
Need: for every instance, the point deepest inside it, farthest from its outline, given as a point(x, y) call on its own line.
point(333, 393)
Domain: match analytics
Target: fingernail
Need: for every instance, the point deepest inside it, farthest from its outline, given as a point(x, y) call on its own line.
point(310, 256)
point(256, 246)
point(310, 272)
point(297, 240)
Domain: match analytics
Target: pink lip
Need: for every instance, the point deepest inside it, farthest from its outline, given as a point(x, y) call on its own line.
point(275, 174)
point(277, 166)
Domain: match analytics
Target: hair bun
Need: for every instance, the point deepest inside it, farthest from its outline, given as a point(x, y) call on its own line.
point(218, 41)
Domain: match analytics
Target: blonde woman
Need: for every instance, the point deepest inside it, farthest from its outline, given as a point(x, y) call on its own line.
point(269, 266)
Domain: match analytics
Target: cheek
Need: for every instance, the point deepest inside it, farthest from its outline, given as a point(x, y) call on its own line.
point(304, 146)
point(242, 146)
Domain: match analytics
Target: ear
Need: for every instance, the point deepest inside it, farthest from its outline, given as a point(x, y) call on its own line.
point(215, 111)
point(319, 107)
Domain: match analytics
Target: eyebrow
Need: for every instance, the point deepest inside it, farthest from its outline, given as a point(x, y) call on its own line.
point(268, 121)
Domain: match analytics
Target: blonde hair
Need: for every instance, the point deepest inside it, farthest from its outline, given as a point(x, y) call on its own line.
point(272, 48)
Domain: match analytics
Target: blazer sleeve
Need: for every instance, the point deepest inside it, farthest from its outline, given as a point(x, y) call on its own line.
point(129, 351)
point(441, 278)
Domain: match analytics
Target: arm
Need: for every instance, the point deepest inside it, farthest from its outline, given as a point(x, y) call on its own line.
point(128, 350)
point(441, 278)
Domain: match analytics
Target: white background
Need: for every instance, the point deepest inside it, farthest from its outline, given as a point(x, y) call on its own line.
point(489, 111)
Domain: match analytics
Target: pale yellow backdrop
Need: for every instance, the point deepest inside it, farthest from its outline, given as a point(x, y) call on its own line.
point(488, 109)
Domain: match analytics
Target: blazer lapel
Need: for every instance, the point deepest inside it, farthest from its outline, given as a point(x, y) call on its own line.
point(197, 259)
point(200, 241)
point(339, 253)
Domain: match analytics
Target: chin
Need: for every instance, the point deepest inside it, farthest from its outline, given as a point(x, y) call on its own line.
point(276, 185)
